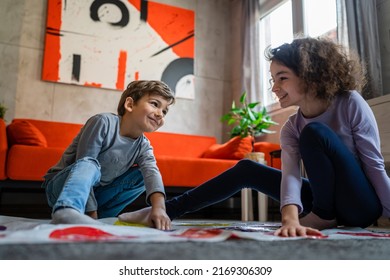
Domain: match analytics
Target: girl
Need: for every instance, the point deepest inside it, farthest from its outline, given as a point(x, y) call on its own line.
point(334, 133)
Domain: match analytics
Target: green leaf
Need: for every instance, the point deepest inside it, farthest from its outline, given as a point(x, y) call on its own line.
point(253, 105)
point(247, 120)
point(243, 98)
point(268, 131)
point(225, 117)
point(231, 121)
point(251, 115)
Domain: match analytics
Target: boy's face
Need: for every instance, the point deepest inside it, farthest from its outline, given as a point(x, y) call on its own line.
point(147, 115)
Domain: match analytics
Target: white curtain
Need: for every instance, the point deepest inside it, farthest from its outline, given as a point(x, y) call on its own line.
point(251, 46)
point(358, 29)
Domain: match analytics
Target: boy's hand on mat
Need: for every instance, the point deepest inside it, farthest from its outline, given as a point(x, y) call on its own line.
point(160, 218)
point(158, 215)
point(295, 229)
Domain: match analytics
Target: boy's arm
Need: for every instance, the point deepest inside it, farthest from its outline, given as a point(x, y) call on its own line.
point(158, 214)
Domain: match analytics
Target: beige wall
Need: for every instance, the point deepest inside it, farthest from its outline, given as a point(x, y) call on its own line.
point(383, 8)
point(217, 70)
point(380, 106)
point(22, 30)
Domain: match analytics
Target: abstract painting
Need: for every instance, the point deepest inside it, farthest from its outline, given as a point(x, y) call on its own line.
point(109, 43)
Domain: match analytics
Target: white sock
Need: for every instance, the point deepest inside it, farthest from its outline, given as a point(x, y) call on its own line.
point(312, 220)
point(72, 216)
point(141, 216)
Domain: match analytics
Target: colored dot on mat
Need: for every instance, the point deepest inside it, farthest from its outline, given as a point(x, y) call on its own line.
point(2, 227)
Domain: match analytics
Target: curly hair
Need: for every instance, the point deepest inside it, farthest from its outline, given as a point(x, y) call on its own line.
point(137, 89)
point(323, 65)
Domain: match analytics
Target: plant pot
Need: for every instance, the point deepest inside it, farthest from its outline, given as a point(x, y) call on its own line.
point(256, 156)
point(246, 195)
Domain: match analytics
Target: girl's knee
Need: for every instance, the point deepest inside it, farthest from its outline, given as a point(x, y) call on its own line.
point(316, 129)
point(314, 132)
point(245, 164)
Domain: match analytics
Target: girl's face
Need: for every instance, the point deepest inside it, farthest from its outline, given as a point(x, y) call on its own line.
point(287, 86)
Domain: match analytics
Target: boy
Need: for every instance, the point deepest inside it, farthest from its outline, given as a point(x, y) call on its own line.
point(110, 162)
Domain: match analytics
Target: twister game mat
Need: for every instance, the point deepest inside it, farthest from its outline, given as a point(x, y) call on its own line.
point(22, 230)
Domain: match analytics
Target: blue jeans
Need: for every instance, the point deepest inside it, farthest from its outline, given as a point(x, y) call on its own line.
point(337, 186)
point(77, 187)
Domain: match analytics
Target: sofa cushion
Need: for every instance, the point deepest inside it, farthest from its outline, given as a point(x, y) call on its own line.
point(179, 145)
point(190, 172)
point(57, 134)
point(31, 162)
point(25, 133)
point(235, 148)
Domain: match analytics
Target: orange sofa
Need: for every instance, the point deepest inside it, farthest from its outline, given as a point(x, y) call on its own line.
point(184, 160)
point(28, 148)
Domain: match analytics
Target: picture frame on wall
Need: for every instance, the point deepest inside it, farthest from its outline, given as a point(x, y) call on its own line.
point(109, 43)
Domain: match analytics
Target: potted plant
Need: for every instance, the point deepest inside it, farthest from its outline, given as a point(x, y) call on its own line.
point(247, 120)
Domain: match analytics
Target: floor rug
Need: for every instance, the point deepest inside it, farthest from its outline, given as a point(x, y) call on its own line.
point(15, 230)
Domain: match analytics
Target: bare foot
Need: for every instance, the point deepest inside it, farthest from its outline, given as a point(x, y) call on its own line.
point(313, 221)
point(141, 216)
point(72, 216)
point(92, 214)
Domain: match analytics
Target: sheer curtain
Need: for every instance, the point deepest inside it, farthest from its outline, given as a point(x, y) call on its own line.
point(358, 28)
point(250, 49)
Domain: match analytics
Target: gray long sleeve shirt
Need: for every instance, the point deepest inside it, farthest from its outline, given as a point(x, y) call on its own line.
point(99, 138)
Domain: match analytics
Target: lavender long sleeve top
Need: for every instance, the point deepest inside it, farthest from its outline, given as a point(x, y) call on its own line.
point(354, 122)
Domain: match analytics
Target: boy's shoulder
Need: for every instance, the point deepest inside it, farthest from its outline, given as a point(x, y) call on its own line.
point(108, 117)
point(101, 121)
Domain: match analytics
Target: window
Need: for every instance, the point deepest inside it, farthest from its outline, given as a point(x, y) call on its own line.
point(320, 18)
point(275, 29)
point(279, 24)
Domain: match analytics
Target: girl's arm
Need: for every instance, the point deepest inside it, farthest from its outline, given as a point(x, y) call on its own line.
point(291, 226)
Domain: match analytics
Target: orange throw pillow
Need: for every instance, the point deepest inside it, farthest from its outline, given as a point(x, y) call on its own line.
point(25, 133)
point(235, 148)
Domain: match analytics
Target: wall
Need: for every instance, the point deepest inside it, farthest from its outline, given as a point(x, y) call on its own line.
point(217, 71)
point(22, 29)
point(383, 10)
point(380, 106)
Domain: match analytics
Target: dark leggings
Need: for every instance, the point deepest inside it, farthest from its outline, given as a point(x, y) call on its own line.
point(338, 187)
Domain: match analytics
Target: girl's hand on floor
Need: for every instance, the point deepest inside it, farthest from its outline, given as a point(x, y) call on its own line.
point(296, 230)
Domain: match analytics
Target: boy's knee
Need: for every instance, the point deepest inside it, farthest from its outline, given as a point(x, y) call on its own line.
point(89, 168)
point(89, 160)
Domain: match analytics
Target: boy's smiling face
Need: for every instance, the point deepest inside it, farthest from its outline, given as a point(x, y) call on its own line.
point(147, 115)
